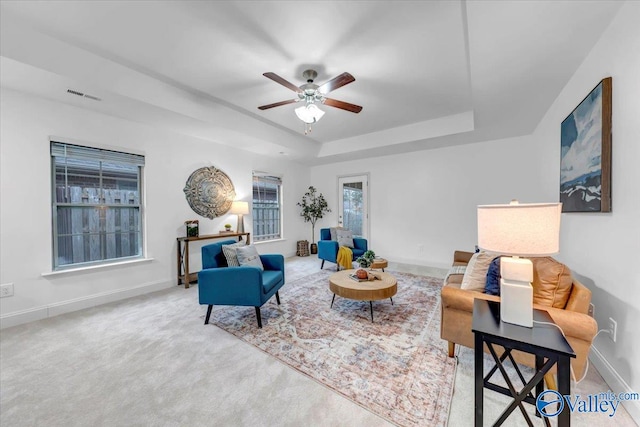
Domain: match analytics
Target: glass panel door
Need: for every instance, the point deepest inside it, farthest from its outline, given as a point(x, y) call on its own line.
point(353, 204)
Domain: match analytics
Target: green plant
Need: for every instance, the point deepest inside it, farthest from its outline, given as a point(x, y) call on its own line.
point(366, 259)
point(314, 206)
point(227, 226)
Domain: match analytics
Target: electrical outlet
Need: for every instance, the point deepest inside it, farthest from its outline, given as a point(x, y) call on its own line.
point(613, 328)
point(6, 290)
point(592, 309)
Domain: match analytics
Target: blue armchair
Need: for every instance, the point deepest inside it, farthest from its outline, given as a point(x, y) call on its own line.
point(219, 284)
point(328, 249)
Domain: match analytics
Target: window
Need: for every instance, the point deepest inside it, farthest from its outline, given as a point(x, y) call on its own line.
point(97, 205)
point(267, 207)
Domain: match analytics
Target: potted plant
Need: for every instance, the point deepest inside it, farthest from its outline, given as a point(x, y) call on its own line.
point(227, 227)
point(314, 206)
point(366, 259)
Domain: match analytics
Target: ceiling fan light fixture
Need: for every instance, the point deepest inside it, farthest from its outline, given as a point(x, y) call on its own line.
point(309, 113)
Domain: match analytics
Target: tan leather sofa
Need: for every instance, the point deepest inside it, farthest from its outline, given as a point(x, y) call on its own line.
point(457, 307)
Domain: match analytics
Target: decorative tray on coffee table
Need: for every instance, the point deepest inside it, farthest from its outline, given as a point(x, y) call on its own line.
point(371, 277)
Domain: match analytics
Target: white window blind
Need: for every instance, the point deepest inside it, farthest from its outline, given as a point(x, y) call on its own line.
point(267, 207)
point(97, 205)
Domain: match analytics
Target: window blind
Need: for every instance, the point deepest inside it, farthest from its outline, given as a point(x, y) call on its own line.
point(62, 149)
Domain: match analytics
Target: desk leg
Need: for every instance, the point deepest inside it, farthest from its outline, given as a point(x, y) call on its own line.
point(540, 385)
point(564, 388)
point(186, 264)
point(179, 261)
point(479, 379)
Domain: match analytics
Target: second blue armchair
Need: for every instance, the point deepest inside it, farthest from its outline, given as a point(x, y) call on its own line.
point(328, 249)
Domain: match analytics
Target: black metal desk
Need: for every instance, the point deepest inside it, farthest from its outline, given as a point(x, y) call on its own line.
point(545, 342)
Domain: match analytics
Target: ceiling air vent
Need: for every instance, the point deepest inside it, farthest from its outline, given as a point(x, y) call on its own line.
point(84, 95)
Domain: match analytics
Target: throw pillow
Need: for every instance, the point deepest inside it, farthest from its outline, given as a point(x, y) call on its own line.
point(230, 253)
point(492, 284)
point(552, 282)
point(475, 277)
point(468, 270)
point(248, 256)
point(345, 238)
point(333, 231)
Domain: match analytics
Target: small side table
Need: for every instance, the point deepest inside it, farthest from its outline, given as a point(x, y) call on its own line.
point(184, 275)
point(379, 263)
point(545, 342)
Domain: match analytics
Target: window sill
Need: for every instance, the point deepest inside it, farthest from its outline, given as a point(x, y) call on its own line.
point(261, 242)
point(96, 267)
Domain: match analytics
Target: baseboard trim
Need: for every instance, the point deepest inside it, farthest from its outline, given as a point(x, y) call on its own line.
point(421, 262)
point(615, 381)
point(58, 308)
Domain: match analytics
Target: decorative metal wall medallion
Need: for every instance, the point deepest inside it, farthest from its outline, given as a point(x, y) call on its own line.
point(209, 192)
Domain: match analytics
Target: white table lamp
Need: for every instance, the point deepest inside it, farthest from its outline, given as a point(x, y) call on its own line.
point(239, 208)
point(528, 229)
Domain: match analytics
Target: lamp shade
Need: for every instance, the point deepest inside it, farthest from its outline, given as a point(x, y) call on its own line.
point(309, 113)
point(528, 229)
point(241, 208)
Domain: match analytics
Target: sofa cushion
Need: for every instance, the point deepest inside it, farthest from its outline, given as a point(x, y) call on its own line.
point(454, 280)
point(270, 278)
point(345, 238)
point(552, 282)
point(475, 276)
point(357, 252)
point(248, 256)
point(230, 253)
point(455, 270)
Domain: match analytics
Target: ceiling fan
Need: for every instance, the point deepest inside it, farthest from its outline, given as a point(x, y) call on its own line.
point(311, 94)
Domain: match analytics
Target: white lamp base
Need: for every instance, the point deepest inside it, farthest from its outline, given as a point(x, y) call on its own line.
point(516, 302)
point(240, 228)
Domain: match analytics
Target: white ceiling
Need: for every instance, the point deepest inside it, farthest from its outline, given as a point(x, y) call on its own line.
point(428, 73)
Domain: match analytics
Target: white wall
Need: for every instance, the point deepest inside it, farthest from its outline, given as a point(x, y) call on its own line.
point(602, 249)
point(429, 198)
point(25, 213)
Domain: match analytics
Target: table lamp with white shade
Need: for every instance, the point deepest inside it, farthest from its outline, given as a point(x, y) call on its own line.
point(528, 229)
point(239, 208)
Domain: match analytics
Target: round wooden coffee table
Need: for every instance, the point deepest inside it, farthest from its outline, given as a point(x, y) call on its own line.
point(341, 284)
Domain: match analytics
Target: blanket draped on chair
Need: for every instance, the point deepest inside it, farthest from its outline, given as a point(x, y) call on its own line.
point(345, 257)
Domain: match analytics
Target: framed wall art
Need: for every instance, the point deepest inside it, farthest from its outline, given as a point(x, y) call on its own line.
point(209, 192)
point(585, 159)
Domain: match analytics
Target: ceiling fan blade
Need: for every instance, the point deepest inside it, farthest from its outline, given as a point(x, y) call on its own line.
point(277, 104)
point(336, 82)
point(342, 105)
point(276, 78)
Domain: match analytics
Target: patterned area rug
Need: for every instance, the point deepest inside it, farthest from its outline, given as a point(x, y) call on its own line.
point(396, 367)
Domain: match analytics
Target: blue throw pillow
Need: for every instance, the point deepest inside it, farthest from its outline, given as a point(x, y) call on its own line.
point(492, 285)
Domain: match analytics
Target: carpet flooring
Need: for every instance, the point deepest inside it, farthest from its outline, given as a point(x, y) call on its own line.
point(395, 366)
point(150, 361)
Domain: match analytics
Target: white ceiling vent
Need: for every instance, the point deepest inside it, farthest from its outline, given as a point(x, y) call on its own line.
point(84, 95)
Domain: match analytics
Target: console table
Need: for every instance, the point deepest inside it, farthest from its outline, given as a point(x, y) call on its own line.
point(184, 275)
point(544, 341)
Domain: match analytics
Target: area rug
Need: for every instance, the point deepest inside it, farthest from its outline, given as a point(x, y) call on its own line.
point(396, 367)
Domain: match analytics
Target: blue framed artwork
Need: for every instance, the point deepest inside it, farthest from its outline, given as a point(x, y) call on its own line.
point(585, 159)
